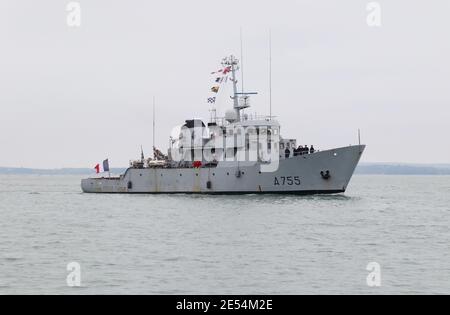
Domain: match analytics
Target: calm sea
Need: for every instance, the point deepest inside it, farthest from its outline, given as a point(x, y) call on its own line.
point(190, 244)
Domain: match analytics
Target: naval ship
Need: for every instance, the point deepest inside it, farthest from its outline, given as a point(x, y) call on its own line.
point(239, 153)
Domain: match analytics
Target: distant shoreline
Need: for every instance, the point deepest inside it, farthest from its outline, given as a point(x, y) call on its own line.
point(362, 169)
point(402, 169)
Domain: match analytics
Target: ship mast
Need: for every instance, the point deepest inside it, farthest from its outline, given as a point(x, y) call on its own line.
point(233, 63)
point(240, 100)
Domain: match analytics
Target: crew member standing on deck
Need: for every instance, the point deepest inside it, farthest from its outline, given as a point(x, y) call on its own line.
point(287, 153)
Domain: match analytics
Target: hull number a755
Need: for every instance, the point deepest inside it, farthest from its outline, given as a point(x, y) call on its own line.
point(287, 180)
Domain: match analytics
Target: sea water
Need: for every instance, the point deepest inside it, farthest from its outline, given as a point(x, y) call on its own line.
point(249, 244)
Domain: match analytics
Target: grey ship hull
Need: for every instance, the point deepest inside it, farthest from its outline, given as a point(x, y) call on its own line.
point(295, 175)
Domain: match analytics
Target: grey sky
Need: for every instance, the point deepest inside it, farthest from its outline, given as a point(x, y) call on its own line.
point(70, 97)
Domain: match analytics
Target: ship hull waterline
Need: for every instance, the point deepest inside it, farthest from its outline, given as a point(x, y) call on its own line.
point(324, 172)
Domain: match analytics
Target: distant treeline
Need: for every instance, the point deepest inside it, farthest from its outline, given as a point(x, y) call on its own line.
point(62, 171)
point(362, 169)
point(401, 169)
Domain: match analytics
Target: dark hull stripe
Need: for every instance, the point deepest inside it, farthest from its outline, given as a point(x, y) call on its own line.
point(294, 192)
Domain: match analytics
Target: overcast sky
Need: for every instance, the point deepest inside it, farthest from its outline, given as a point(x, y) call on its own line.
point(70, 97)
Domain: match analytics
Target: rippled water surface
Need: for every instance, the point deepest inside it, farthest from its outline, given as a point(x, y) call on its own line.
point(192, 244)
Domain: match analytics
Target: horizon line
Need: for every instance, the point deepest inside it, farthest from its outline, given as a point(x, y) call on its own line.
point(122, 167)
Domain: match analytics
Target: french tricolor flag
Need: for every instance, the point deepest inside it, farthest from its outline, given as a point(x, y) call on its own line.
point(105, 166)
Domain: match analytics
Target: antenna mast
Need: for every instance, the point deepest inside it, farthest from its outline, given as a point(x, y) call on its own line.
point(270, 74)
point(153, 126)
point(242, 63)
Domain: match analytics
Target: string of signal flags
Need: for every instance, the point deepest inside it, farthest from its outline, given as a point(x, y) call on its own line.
point(221, 76)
